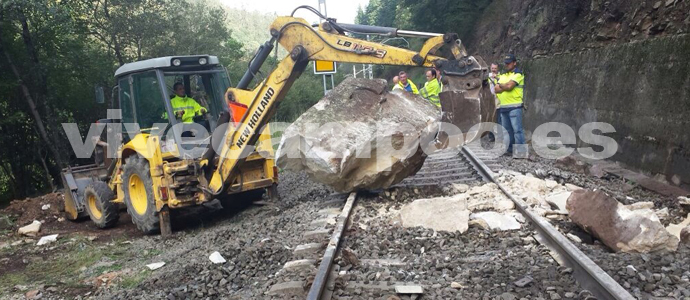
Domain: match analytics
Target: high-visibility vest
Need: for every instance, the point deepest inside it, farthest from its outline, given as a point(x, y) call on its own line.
point(430, 92)
point(189, 106)
point(512, 98)
point(412, 88)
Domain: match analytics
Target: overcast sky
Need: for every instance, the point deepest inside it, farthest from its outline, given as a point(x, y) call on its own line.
point(345, 11)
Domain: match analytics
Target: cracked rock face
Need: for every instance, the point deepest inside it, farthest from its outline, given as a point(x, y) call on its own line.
point(360, 136)
point(618, 227)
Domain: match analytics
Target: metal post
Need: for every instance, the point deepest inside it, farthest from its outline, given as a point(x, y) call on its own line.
point(325, 90)
point(323, 11)
point(371, 73)
point(164, 219)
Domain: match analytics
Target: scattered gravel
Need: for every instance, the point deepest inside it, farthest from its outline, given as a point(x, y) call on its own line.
point(256, 242)
point(474, 265)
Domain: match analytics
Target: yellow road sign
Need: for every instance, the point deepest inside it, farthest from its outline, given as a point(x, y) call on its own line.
point(324, 67)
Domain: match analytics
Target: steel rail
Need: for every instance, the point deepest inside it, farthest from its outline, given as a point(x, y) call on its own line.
point(585, 271)
point(324, 270)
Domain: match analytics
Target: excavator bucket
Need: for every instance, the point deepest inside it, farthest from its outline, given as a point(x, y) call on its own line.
point(74, 181)
point(466, 99)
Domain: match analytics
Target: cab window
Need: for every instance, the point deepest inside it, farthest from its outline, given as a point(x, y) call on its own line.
point(148, 108)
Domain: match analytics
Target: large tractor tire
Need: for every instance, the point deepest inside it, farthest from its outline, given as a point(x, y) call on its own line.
point(102, 211)
point(138, 189)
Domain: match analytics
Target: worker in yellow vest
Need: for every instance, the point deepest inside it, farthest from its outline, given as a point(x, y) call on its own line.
point(431, 88)
point(185, 108)
point(407, 84)
point(509, 91)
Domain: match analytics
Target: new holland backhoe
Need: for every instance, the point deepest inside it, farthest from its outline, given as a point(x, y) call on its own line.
point(161, 167)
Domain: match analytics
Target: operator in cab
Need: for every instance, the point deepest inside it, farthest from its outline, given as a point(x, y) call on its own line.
point(185, 108)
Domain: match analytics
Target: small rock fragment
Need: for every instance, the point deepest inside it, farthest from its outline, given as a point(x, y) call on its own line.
point(479, 223)
point(675, 229)
point(524, 281)
point(455, 285)
point(409, 289)
point(572, 187)
point(662, 213)
point(31, 229)
point(574, 238)
point(558, 201)
point(640, 205)
point(508, 296)
point(682, 200)
point(155, 266)
point(33, 294)
point(45, 207)
point(685, 235)
point(460, 188)
point(216, 258)
point(497, 221)
point(47, 239)
point(446, 214)
point(350, 257)
point(630, 270)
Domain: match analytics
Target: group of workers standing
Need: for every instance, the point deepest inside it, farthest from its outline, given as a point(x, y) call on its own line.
point(432, 87)
point(508, 89)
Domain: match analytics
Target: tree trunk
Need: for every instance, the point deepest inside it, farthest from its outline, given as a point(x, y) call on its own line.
point(49, 178)
point(41, 86)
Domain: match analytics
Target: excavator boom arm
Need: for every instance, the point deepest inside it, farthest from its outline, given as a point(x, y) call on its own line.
point(306, 44)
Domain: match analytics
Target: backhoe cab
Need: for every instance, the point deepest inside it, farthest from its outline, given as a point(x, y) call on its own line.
point(160, 158)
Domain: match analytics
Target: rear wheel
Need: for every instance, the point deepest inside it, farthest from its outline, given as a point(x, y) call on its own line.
point(101, 210)
point(138, 189)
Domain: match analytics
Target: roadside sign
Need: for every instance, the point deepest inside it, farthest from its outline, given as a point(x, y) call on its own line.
point(324, 67)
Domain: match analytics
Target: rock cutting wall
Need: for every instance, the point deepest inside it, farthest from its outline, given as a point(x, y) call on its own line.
point(626, 63)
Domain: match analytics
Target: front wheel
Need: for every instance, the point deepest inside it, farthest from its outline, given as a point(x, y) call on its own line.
point(103, 212)
point(138, 189)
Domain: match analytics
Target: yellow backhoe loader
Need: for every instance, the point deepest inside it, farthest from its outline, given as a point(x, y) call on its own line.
point(163, 166)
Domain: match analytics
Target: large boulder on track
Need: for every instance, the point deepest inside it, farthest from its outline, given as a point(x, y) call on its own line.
point(618, 227)
point(360, 136)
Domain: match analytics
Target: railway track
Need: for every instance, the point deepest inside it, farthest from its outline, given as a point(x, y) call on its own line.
point(471, 166)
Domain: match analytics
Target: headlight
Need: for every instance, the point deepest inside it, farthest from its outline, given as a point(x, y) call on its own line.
point(176, 62)
point(202, 61)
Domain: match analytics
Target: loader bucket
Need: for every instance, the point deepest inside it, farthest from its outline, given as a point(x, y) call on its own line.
point(466, 99)
point(74, 181)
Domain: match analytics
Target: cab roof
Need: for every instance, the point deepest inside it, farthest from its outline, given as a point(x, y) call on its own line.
point(186, 61)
